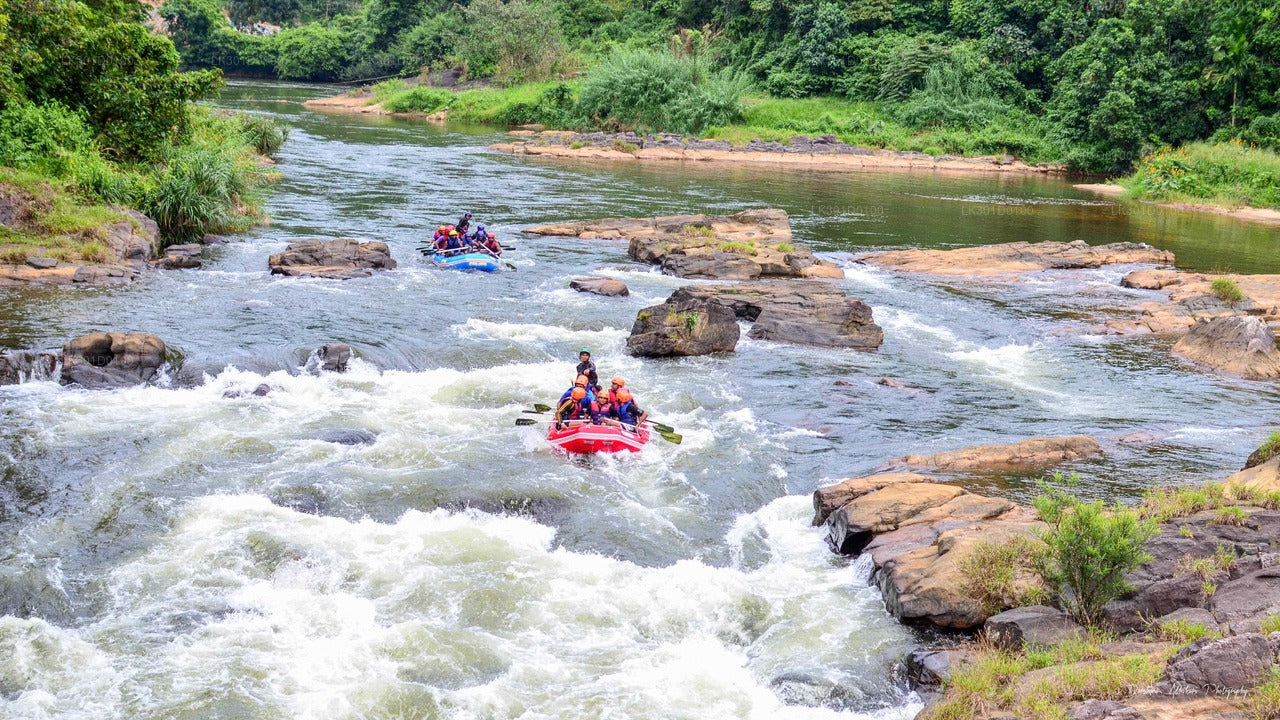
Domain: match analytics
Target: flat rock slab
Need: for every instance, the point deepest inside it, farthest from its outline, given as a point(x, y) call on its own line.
point(341, 259)
point(802, 313)
point(1242, 346)
point(747, 226)
point(833, 497)
point(1031, 455)
point(600, 286)
point(1018, 257)
point(1190, 299)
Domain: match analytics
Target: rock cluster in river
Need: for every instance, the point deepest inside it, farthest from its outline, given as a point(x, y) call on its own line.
point(1026, 456)
point(600, 286)
point(108, 360)
point(340, 259)
point(690, 327)
point(129, 243)
point(744, 246)
point(1018, 257)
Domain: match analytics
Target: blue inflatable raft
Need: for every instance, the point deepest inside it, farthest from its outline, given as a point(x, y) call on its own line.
point(466, 261)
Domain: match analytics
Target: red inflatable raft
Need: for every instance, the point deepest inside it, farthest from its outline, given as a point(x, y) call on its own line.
point(583, 439)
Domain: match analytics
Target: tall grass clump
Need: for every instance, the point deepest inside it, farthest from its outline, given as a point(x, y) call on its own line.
point(265, 135)
point(1226, 290)
point(650, 91)
point(951, 99)
point(1232, 173)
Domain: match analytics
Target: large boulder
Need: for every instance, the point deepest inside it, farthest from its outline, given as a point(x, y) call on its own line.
point(182, 257)
point(1242, 346)
point(340, 259)
point(135, 240)
point(1219, 666)
point(109, 360)
point(683, 328)
point(802, 313)
point(1018, 257)
point(600, 286)
point(1244, 602)
point(1037, 625)
point(24, 365)
point(1033, 455)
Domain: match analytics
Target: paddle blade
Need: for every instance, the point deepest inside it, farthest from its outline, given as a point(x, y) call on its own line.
point(661, 427)
point(533, 412)
point(526, 421)
point(670, 437)
point(541, 408)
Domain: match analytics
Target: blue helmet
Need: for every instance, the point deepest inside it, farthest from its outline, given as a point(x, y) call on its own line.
point(466, 214)
point(480, 228)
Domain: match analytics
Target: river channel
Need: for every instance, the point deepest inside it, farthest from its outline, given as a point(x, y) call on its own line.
point(190, 550)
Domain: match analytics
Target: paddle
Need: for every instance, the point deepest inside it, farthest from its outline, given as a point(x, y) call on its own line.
point(673, 438)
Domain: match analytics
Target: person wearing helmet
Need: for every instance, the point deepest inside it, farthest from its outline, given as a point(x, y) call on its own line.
point(628, 413)
point(478, 235)
point(615, 385)
point(453, 242)
point(580, 382)
point(491, 244)
point(587, 367)
point(603, 409)
point(573, 407)
point(464, 224)
point(440, 234)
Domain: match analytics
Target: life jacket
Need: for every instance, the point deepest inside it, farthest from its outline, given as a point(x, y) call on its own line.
point(627, 412)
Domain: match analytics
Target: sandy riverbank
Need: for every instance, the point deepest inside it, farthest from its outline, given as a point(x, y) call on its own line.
point(1248, 214)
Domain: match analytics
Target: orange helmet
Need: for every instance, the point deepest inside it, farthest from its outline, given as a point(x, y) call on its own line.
point(578, 393)
point(624, 395)
point(444, 228)
point(619, 382)
point(582, 381)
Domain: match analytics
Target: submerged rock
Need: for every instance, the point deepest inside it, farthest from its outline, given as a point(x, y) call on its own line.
point(802, 313)
point(1033, 455)
point(1242, 346)
point(600, 286)
point(693, 327)
point(110, 360)
point(1018, 257)
point(341, 259)
point(349, 437)
point(333, 357)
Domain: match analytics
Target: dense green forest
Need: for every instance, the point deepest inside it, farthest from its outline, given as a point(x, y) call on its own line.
point(95, 111)
point(1096, 83)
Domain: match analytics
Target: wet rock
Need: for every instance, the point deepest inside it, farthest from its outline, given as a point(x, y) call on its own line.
point(211, 239)
point(1191, 299)
point(803, 313)
point(934, 667)
point(1033, 455)
point(1037, 625)
point(1150, 279)
point(20, 366)
point(334, 357)
point(683, 328)
point(1102, 710)
point(1242, 346)
point(715, 265)
point(890, 383)
point(340, 259)
point(1018, 257)
point(600, 286)
point(42, 263)
point(111, 360)
point(103, 275)
point(851, 527)
point(262, 390)
point(1220, 666)
point(182, 257)
point(348, 437)
point(830, 498)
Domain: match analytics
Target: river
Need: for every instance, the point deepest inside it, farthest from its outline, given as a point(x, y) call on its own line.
point(180, 552)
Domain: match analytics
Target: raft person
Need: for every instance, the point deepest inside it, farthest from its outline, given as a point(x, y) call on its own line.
point(574, 407)
point(464, 224)
point(628, 413)
point(580, 382)
point(615, 385)
point(588, 368)
point(491, 244)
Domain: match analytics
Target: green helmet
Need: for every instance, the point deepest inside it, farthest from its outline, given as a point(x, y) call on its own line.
point(584, 350)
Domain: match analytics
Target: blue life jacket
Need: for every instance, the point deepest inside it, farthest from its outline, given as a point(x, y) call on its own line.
point(627, 412)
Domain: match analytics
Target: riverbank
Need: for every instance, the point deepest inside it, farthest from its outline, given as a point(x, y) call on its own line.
point(1266, 216)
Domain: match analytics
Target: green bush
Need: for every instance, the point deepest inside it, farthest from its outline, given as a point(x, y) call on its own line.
point(43, 137)
point(418, 100)
point(1088, 549)
point(652, 91)
point(513, 41)
point(264, 134)
point(312, 52)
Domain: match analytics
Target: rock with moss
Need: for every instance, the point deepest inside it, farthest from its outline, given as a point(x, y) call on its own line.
point(692, 327)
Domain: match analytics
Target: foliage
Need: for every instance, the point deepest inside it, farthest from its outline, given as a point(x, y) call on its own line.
point(1263, 701)
point(1269, 448)
point(998, 574)
point(313, 52)
point(43, 137)
point(265, 135)
point(1088, 549)
point(418, 100)
point(1231, 173)
point(513, 41)
point(1181, 631)
point(655, 92)
point(1270, 624)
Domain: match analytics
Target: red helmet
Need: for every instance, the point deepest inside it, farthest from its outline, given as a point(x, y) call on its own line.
point(492, 236)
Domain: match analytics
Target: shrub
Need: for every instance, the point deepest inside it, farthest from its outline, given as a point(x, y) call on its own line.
point(515, 41)
point(264, 134)
point(42, 136)
point(1232, 516)
point(418, 100)
point(654, 92)
point(312, 52)
point(1226, 290)
point(1263, 702)
point(1088, 550)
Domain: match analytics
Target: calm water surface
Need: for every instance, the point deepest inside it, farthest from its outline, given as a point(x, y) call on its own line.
point(172, 552)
